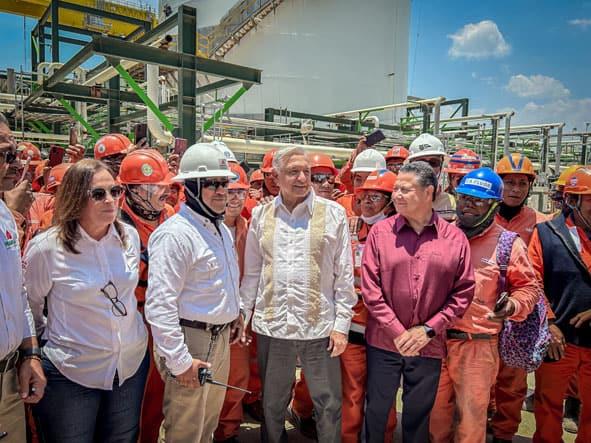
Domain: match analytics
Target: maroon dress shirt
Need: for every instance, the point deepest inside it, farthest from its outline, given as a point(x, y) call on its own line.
point(410, 279)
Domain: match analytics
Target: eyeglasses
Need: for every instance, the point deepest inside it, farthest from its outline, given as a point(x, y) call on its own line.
point(321, 178)
point(213, 185)
point(472, 201)
point(118, 308)
point(100, 194)
point(403, 191)
point(433, 162)
point(268, 174)
point(240, 193)
point(374, 198)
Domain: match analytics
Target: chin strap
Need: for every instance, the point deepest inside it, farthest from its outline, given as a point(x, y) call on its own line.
point(138, 205)
point(482, 224)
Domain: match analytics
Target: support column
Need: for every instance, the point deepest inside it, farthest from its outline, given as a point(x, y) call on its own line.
point(55, 32)
point(558, 149)
point(584, 139)
point(187, 78)
point(494, 141)
point(114, 103)
point(544, 159)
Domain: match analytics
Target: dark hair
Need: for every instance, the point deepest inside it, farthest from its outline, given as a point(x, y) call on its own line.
point(72, 196)
point(4, 120)
point(424, 172)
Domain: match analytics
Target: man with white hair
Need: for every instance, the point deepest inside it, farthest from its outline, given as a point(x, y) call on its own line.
point(298, 289)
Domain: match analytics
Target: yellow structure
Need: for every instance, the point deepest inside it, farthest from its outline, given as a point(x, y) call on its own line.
point(82, 20)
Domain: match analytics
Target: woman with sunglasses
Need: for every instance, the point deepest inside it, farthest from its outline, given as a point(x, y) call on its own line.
point(86, 269)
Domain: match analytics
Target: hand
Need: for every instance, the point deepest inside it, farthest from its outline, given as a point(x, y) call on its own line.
point(411, 342)
point(141, 144)
point(255, 194)
point(75, 152)
point(20, 198)
point(337, 343)
point(265, 200)
point(581, 318)
point(506, 311)
point(336, 194)
point(238, 331)
point(189, 378)
point(557, 343)
point(31, 380)
point(173, 163)
point(361, 146)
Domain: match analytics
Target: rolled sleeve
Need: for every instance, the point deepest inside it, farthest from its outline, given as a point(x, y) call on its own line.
point(522, 283)
point(344, 289)
point(461, 295)
point(371, 290)
point(37, 281)
point(169, 261)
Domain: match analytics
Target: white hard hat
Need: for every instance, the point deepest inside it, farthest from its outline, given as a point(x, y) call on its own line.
point(203, 160)
point(425, 145)
point(368, 161)
point(225, 150)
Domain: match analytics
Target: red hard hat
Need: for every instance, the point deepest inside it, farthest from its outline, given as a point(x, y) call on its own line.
point(268, 161)
point(320, 160)
point(463, 161)
point(242, 181)
point(56, 176)
point(397, 151)
point(381, 180)
point(28, 150)
point(111, 144)
point(256, 176)
point(144, 166)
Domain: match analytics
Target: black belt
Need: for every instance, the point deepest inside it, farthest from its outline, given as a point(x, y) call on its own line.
point(9, 362)
point(461, 335)
point(196, 324)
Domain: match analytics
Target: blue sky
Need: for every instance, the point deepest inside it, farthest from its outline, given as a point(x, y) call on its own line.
point(533, 57)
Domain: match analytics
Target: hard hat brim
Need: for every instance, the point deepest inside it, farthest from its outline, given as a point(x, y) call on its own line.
point(204, 174)
point(426, 154)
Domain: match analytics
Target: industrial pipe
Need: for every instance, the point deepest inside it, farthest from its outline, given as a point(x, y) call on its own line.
point(437, 115)
point(558, 147)
point(507, 140)
point(162, 136)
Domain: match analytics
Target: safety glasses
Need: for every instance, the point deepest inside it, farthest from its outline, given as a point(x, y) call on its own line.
point(374, 198)
point(472, 201)
point(8, 156)
point(100, 194)
point(213, 185)
point(239, 193)
point(110, 291)
point(321, 178)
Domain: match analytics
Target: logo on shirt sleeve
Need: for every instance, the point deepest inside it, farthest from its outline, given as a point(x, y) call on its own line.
point(10, 240)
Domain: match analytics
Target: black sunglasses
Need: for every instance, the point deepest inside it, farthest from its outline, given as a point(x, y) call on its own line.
point(99, 194)
point(9, 156)
point(213, 185)
point(110, 291)
point(321, 178)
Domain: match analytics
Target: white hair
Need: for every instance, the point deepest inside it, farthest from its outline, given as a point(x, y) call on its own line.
point(283, 155)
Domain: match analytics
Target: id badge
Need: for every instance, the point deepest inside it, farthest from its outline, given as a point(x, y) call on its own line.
point(358, 254)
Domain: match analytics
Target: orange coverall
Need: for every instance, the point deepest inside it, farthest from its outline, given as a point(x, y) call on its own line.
point(470, 368)
point(511, 387)
point(554, 380)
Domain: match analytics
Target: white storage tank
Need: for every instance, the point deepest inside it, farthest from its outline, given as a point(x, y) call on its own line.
point(321, 56)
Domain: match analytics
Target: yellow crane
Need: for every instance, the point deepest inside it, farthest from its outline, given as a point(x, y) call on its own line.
point(85, 20)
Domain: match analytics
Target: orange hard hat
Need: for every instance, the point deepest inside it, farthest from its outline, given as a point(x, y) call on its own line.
point(463, 161)
point(515, 164)
point(579, 182)
point(381, 180)
point(397, 151)
point(56, 176)
point(268, 161)
point(144, 166)
point(256, 176)
point(111, 144)
point(241, 182)
point(566, 174)
point(28, 150)
point(320, 160)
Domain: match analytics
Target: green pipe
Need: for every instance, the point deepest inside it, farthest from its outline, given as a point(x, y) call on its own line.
point(43, 127)
point(95, 135)
point(144, 97)
point(34, 126)
point(227, 105)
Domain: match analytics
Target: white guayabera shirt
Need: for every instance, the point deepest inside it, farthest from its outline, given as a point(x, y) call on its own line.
point(298, 270)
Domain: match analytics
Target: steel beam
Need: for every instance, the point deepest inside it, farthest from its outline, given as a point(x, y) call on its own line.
point(154, 34)
point(72, 41)
point(214, 86)
point(130, 116)
point(55, 44)
point(80, 57)
point(84, 92)
point(114, 102)
point(101, 13)
point(187, 77)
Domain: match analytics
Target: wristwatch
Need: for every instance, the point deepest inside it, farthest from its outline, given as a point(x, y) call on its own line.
point(429, 331)
point(30, 353)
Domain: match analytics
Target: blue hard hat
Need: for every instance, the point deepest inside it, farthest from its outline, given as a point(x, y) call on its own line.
point(482, 183)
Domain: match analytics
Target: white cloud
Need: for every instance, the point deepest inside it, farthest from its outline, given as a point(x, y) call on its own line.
point(574, 112)
point(479, 40)
point(536, 86)
point(580, 22)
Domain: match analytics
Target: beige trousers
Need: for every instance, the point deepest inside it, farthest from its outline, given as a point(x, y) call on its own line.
point(12, 409)
point(191, 415)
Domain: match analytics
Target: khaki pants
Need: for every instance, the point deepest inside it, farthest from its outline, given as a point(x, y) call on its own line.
point(191, 415)
point(12, 408)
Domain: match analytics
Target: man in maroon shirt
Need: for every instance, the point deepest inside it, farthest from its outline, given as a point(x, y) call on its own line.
point(417, 278)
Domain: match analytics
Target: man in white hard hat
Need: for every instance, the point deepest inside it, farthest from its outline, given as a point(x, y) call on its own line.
point(365, 163)
point(192, 301)
point(429, 149)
